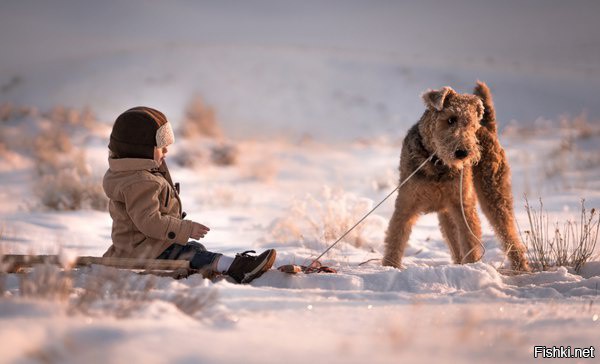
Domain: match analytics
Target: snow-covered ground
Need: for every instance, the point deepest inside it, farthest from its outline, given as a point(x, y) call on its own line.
point(317, 120)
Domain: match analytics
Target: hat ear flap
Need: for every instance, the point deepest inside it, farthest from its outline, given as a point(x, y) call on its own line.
point(434, 99)
point(164, 136)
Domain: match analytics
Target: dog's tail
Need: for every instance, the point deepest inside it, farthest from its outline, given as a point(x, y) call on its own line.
point(489, 113)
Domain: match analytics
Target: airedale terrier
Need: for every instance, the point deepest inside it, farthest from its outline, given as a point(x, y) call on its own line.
point(458, 132)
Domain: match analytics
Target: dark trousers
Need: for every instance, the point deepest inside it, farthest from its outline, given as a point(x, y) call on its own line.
point(196, 253)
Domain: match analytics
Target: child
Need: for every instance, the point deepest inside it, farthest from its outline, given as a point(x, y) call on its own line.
point(145, 206)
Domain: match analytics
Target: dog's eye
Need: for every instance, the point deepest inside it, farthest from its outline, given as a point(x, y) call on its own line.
point(451, 120)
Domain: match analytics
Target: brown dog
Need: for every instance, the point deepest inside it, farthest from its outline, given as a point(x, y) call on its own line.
point(491, 177)
point(458, 132)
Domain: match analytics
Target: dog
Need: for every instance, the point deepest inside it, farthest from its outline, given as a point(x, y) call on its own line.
point(455, 138)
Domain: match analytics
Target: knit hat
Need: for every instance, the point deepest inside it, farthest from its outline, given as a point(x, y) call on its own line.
point(137, 131)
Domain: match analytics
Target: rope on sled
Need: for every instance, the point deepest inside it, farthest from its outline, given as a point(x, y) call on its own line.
point(315, 261)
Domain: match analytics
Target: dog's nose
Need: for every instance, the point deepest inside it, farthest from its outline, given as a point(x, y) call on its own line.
point(461, 154)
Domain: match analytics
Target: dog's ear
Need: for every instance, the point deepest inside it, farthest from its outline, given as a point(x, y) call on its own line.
point(434, 99)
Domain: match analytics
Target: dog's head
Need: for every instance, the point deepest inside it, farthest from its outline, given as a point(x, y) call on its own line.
point(450, 124)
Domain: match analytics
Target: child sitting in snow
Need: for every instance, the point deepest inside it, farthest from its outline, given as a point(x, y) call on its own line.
point(145, 206)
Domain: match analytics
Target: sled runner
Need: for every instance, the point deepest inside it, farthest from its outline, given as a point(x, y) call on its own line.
point(12, 263)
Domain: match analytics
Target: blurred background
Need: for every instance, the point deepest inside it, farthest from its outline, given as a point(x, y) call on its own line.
point(325, 69)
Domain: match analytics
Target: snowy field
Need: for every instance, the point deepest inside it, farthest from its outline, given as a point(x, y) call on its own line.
point(307, 133)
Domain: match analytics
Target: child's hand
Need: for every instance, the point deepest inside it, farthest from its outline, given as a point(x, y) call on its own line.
point(198, 230)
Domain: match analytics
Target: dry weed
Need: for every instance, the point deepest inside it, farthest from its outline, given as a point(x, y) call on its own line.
point(63, 116)
point(326, 218)
point(106, 291)
point(47, 282)
point(65, 180)
point(8, 111)
point(114, 292)
point(224, 154)
point(193, 155)
point(200, 120)
point(69, 190)
point(580, 125)
point(204, 152)
point(571, 244)
point(119, 293)
point(566, 164)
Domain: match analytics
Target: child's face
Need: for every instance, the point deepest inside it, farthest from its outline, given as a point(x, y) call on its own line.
point(159, 154)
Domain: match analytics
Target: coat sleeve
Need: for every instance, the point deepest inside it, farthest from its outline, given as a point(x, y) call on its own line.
point(143, 207)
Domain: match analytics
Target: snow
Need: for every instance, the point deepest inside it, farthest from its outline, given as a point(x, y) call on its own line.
point(317, 115)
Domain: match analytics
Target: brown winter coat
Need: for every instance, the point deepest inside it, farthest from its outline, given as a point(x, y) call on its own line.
point(145, 209)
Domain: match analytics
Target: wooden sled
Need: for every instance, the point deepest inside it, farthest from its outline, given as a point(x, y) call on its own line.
point(13, 263)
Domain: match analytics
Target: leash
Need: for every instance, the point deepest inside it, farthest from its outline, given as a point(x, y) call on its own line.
point(372, 210)
point(462, 209)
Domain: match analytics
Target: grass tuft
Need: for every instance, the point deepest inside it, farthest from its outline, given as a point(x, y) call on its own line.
point(200, 120)
point(570, 244)
point(323, 219)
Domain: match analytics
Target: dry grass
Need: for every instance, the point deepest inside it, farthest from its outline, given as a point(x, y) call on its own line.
point(203, 152)
point(580, 125)
point(205, 139)
point(325, 218)
point(192, 155)
point(570, 244)
point(68, 185)
point(68, 190)
point(104, 291)
point(200, 120)
point(224, 154)
point(113, 292)
point(566, 164)
point(8, 111)
point(46, 282)
point(61, 115)
point(65, 180)
point(49, 141)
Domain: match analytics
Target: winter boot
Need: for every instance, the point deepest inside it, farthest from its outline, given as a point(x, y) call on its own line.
point(246, 268)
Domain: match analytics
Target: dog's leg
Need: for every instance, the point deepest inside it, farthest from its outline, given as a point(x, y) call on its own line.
point(450, 234)
point(404, 217)
point(469, 236)
point(492, 183)
point(491, 177)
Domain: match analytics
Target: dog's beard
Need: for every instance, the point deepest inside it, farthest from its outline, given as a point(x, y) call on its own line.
point(448, 148)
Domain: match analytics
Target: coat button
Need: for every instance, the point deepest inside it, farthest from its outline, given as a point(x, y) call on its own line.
point(171, 235)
